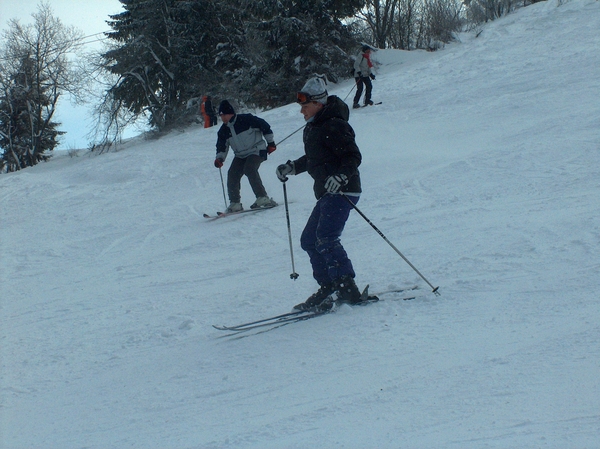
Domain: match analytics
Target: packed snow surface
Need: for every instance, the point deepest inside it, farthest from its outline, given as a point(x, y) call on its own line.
point(482, 166)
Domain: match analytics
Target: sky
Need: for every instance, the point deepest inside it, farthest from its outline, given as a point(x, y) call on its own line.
point(481, 165)
point(90, 17)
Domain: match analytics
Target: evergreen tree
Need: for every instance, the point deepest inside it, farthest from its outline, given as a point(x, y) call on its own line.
point(161, 54)
point(167, 52)
point(281, 43)
point(35, 72)
point(27, 134)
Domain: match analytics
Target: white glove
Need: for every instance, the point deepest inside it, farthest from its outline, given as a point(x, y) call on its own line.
point(285, 169)
point(334, 183)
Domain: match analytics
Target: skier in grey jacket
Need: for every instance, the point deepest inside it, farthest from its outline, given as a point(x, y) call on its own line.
point(246, 135)
point(363, 74)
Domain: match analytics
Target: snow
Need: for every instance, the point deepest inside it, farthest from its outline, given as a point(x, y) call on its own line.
point(482, 166)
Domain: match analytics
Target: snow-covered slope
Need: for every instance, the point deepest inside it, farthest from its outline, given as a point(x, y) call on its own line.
point(481, 166)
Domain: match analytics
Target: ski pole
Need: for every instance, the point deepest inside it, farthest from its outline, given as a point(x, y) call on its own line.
point(355, 83)
point(290, 135)
point(223, 186)
point(294, 275)
point(435, 289)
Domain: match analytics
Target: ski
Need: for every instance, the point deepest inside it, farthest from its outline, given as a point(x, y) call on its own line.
point(302, 315)
point(366, 105)
point(228, 214)
point(292, 317)
point(251, 323)
point(398, 290)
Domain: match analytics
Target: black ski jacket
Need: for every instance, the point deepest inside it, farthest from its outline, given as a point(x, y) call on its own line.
point(330, 148)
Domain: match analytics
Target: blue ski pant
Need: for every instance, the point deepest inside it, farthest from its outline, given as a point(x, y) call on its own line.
point(321, 238)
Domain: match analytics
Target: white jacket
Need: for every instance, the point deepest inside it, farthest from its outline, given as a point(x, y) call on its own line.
point(361, 64)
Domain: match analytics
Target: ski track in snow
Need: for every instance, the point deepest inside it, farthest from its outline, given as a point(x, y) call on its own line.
point(481, 165)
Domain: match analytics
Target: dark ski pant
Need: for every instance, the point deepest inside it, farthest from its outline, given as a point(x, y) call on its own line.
point(359, 88)
point(321, 238)
point(247, 166)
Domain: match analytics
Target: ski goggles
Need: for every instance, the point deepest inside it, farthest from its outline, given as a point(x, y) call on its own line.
point(304, 98)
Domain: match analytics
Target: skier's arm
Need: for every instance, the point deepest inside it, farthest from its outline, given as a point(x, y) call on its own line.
point(265, 128)
point(223, 143)
point(300, 165)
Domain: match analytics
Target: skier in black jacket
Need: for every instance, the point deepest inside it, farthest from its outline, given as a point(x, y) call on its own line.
point(332, 159)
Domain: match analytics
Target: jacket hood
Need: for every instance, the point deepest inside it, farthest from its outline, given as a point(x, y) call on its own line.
point(334, 108)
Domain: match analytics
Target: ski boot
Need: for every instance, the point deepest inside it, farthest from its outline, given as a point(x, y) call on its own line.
point(321, 300)
point(263, 201)
point(234, 207)
point(348, 293)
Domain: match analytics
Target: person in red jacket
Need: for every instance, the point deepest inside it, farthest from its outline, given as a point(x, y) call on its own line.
point(208, 112)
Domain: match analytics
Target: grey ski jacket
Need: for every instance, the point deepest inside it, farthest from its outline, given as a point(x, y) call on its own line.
point(361, 65)
point(244, 134)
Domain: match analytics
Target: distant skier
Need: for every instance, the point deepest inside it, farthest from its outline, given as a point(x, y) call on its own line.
point(246, 135)
point(363, 74)
point(332, 159)
point(208, 112)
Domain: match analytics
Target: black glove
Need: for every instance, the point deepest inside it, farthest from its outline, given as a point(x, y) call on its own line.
point(359, 74)
point(285, 169)
point(334, 183)
point(372, 76)
point(218, 162)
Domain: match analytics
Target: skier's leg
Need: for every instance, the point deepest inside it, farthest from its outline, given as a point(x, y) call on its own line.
point(308, 242)
point(334, 213)
point(369, 88)
point(251, 165)
point(234, 177)
point(359, 90)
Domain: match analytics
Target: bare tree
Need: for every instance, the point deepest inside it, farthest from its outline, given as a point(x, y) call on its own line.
point(443, 19)
point(379, 17)
point(402, 36)
point(410, 24)
point(480, 11)
point(35, 73)
point(110, 115)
